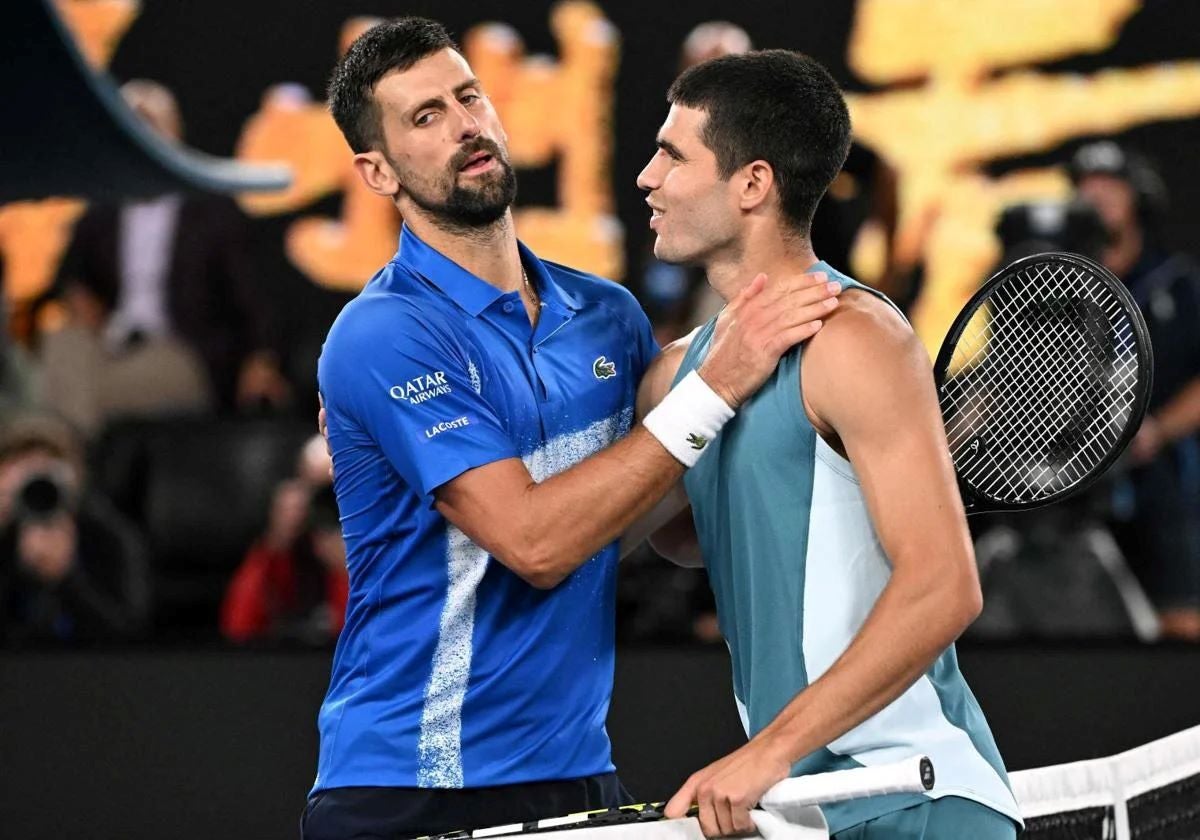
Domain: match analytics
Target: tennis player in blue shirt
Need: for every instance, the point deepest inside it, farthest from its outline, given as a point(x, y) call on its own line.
point(479, 406)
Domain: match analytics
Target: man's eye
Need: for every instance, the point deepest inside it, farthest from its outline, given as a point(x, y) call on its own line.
point(470, 98)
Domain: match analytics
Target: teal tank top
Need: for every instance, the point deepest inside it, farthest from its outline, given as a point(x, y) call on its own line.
point(795, 565)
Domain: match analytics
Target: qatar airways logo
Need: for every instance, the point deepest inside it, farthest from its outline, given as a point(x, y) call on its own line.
point(422, 388)
point(446, 426)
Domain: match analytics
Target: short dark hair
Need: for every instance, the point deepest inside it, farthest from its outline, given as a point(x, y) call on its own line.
point(774, 105)
point(392, 45)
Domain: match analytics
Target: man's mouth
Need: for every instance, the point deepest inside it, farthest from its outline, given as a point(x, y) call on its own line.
point(656, 213)
point(476, 163)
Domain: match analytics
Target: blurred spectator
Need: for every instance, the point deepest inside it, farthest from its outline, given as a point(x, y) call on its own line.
point(713, 39)
point(1162, 513)
point(1028, 229)
point(863, 194)
point(71, 569)
point(1056, 572)
point(18, 374)
point(293, 584)
point(161, 305)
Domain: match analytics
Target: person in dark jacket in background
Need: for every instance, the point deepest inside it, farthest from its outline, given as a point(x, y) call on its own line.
point(1162, 492)
point(163, 304)
point(71, 569)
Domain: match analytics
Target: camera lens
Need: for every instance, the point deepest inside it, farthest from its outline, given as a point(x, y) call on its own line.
point(40, 497)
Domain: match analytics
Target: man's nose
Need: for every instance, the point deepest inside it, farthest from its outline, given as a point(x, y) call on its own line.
point(646, 179)
point(468, 126)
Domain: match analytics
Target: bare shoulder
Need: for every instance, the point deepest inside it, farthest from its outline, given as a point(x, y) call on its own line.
point(863, 330)
point(866, 356)
point(658, 377)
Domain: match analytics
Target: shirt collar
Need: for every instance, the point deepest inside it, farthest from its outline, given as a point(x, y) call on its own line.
point(471, 293)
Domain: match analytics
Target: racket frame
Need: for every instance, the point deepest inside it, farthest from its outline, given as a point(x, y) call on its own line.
point(972, 502)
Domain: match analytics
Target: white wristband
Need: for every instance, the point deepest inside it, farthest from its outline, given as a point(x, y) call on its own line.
point(688, 418)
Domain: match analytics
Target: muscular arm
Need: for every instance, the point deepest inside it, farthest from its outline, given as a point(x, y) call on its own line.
point(544, 531)
point(867, 380)
point(668, 525)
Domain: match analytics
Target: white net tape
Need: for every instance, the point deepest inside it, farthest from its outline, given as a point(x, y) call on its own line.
point(1151, 792)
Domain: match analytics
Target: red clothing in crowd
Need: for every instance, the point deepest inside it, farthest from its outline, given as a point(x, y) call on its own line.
point(264, 589)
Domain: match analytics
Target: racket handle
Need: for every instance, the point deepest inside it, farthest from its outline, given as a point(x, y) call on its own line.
point(912, 775)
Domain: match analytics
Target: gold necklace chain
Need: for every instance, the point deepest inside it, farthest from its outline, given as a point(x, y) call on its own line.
point(537, 301)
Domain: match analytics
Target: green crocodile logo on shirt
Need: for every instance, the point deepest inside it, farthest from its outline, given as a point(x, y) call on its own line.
point(604, 369)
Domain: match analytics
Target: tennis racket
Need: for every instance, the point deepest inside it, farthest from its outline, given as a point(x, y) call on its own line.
point(912, 775)
point(1043, 380)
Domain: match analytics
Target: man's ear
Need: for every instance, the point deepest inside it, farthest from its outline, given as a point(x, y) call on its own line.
point(377, 173)
point(754, 182)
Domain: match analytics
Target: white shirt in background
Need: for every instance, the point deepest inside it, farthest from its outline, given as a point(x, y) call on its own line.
point(147, 231)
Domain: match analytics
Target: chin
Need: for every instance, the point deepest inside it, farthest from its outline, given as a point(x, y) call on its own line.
point(664, 252)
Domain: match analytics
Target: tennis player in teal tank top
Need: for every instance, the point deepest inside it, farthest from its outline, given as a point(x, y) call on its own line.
point(826, 511)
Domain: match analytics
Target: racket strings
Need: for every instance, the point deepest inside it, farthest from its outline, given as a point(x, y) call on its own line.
point(1044, 381)
point(1056, 410)
point(1023, 370)
point(1060, 409)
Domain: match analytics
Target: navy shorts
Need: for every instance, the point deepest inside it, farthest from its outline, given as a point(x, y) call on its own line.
point(359, 813)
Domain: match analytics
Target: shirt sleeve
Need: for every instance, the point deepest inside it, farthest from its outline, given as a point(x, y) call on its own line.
point(634, 318)
point(647, 344)
point(416, 393)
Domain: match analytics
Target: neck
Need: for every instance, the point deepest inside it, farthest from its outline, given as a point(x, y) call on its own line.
point(490, 252)
point(769, 253)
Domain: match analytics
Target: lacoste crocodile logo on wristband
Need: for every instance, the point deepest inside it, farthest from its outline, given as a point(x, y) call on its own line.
point(698, 442)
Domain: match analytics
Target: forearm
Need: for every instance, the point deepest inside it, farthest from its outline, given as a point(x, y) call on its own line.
point(545, 530)
point(551, 528)
point(1180, 417)
point(598, 500)
point(912, 623)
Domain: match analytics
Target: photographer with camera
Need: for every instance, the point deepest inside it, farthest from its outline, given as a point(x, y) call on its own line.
point(292, 585)
point(1159, 502)
point(71, 569)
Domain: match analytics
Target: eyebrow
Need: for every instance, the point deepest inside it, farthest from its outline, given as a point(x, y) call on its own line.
point(670, 148)
point(436, 101)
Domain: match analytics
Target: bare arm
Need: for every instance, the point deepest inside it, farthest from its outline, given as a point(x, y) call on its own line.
point(868, 380)
point(1179, 418)
point(668, 525)
point(544, 531)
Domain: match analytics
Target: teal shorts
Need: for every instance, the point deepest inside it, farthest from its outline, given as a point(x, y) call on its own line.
point(948, 818)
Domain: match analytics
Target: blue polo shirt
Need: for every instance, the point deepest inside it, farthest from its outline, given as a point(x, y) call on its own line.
point(451, 671)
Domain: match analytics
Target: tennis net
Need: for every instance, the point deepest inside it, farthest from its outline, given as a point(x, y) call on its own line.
point(1151, 792)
